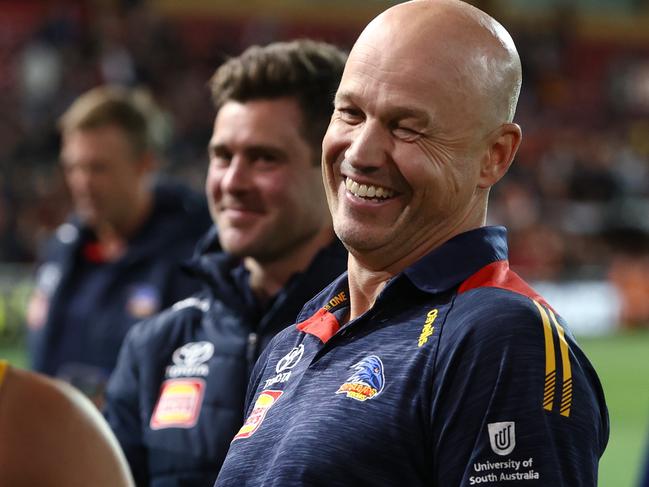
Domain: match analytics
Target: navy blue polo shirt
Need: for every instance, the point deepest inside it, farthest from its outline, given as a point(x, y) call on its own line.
point(460, 374)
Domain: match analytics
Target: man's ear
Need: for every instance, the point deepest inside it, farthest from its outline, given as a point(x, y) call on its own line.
point(502, 145)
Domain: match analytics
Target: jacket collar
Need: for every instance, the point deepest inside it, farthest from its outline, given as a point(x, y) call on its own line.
point(222, 272)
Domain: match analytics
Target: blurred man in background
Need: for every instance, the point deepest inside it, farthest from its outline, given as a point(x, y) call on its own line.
point(176, 398)
point(116, 260)
point(50, 434)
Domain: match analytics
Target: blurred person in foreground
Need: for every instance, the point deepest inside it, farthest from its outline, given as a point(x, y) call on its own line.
point(176, 398)
point(429, 362)
point(52, 435)
point(116, 260)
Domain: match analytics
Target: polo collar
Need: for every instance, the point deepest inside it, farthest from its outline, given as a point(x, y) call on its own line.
point(462, 256)
point(442, 269)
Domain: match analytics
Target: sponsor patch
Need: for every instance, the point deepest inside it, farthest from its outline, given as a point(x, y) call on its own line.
point(428, 329)
point(264, 402)
point(189, 360)
point(48, 278)
point(367, 382)
point(502, 437)
point(336, 301)
point(143, 301)
point(291, 359)
point(37, 308)
point(287, 362)
point(490, 472)
point(179, 404)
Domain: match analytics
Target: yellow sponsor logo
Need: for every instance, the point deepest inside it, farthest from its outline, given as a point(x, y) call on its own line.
point(358, 391)
point(336, 300)
point(264, 402)
point(179, 404)
point(428, 329)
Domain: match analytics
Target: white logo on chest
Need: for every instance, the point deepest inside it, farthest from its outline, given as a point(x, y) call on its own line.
point(288, 361)
point(190, 360)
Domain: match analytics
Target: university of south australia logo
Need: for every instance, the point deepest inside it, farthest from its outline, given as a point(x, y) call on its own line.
point(502, 437)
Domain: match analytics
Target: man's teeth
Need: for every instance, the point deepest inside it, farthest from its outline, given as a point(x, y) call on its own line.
point(365, 191)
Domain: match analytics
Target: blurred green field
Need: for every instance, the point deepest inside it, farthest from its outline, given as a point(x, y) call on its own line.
point(14, 354)
point(622, 362)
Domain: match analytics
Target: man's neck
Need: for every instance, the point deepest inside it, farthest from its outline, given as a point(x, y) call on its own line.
point(368, 273)
point(364, 287)
point(267, 278)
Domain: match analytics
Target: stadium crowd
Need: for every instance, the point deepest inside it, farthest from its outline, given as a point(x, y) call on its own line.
point(575, 201)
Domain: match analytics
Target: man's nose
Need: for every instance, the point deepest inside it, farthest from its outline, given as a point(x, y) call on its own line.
point(369, 147)
point(79, 178)
point(237, 175)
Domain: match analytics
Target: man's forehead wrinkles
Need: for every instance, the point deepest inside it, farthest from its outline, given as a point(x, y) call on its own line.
point(371, 77)
point(365, 51)
point(371, 60)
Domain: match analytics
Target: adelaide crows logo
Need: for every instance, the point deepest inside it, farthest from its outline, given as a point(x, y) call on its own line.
point(367, 382)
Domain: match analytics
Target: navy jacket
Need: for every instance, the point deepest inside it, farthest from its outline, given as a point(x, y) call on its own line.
point(176, 397)
point(83, 307)
point(459, 375)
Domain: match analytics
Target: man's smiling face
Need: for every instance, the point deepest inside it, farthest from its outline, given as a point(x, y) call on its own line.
point(263, 188)
point(401, 157)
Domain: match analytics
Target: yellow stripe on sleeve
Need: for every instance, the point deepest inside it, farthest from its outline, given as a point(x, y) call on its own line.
point(566, 391)
point(550, 360)
point(4, 365)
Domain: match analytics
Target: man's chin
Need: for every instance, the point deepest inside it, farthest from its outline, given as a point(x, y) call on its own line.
point(237, 247)
point(361, 238)
point(256, 249)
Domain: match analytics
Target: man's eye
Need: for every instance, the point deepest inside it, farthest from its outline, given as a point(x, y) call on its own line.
point(220, 158)
point(350, 115)
point(406, 134)
point(267, 157)
point(263, 157)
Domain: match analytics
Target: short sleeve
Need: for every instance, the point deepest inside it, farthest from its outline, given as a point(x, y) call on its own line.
point(515, 401)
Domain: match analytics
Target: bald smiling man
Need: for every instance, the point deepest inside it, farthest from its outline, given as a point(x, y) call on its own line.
point(429, 363)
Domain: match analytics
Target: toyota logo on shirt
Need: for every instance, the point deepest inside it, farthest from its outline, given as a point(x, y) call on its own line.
point(291, 359)
point(193, 354)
